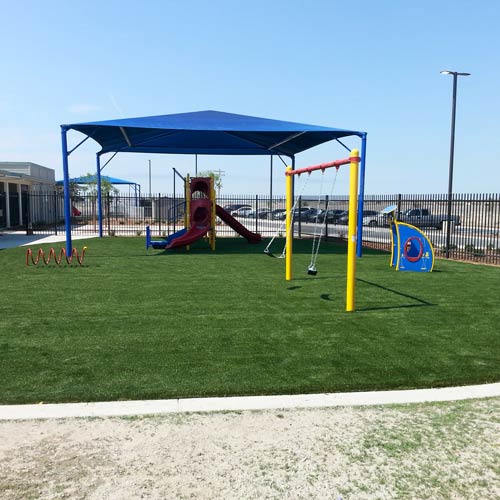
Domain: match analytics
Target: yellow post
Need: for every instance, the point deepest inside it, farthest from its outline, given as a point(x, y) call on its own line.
point(187, 213)
point(213, 216)
point(352, 230)
point(187, 197)
point(288, 224)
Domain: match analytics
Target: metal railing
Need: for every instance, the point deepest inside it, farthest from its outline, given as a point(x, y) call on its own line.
point(475, 232)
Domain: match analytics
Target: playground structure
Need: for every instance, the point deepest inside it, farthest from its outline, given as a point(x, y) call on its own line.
point(203, 132)
point(200, 218)
point(46, 259)
point(353, 162)
point(411, 250)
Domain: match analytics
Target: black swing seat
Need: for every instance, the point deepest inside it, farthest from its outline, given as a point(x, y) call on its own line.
point(269, 253)
point(311, 270)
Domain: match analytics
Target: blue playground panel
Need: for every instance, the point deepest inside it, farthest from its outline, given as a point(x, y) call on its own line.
point(411, 249)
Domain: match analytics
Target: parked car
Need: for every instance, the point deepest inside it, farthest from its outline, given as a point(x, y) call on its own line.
point(332, 215)
point(302, 214)
point(379, 219)
point(312, 215)
point(344, 219)
point(422, 217)
point(259, 214)
point(242, 212)
point(235, 206)
point(278, 214)
point(298, 214)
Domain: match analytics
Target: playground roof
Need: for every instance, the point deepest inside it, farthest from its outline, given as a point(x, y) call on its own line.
point(207, 132)
point(88, 179)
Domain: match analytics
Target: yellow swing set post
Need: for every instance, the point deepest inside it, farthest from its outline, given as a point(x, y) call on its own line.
point(288, 224)
point(353, 162)
point(352, 231)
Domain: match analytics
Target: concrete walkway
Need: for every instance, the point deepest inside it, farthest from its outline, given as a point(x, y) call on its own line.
point(11, 239)
point(162, 406)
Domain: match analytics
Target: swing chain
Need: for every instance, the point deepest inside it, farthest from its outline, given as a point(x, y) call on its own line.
point(267, 250)
point(311, 269)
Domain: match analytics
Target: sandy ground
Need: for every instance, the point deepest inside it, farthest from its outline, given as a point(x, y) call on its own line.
point(427, 451)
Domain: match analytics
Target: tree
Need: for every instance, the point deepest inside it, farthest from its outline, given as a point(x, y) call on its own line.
point(217, 177)
point(90, 188)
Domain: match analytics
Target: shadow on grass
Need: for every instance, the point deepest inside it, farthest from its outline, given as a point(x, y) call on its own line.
point(317, 278)
point(241, 246)
point(420, 302)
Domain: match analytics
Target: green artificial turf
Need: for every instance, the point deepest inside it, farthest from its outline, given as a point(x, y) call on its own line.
point(131, 324)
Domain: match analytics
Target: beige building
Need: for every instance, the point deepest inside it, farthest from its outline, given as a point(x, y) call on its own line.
point(17, 180)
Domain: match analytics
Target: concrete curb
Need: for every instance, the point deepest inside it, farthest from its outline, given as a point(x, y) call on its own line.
point(163, 406)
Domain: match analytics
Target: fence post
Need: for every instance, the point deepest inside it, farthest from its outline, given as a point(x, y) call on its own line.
point(300, 222)
point(256, 213)
point(108, 218)
point(327, 202)
point(29, 226)
point(159, 213)
point(55, 212)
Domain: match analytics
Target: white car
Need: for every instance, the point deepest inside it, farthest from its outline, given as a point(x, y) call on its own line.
point(242, 212)
point(375, 219)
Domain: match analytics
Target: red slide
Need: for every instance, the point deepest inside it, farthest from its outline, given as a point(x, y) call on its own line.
point(234, 224)
point(200, 224)
point(194, 234)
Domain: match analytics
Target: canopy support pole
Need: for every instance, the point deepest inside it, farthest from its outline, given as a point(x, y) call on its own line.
point(67, 195)
point(283, 161)
point(271, 185)
point(99, 169)
point(99, 194)
point(359, 242)
point(79, 144)
point(284, 141)
point(342, 144)
point(102, 168)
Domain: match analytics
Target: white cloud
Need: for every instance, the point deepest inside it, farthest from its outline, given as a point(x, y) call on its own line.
point(115, 104)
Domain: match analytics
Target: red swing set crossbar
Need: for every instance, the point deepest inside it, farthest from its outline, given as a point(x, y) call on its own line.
point(323, 166)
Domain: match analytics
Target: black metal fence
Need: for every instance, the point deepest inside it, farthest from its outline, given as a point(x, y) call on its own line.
point(474, 232)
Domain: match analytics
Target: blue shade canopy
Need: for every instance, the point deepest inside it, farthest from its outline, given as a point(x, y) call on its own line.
point(207, 132)
point(88, 179)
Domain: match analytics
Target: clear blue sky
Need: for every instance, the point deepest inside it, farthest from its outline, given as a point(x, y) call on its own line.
point(365, 65)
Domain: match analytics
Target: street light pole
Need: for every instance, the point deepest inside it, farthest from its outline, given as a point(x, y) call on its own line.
point(455, 75)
